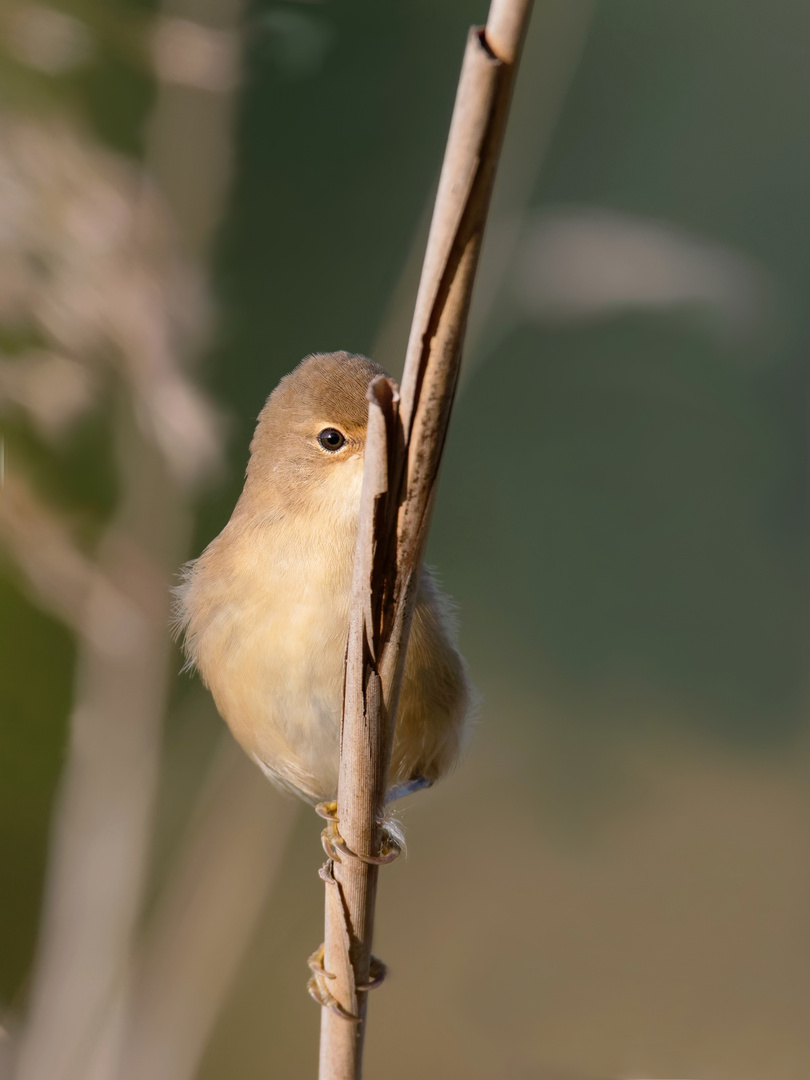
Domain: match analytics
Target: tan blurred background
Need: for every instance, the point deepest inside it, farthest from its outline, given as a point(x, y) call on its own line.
point(193, 195)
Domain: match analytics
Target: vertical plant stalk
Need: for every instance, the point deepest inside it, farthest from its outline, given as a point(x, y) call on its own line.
point(197, 936)
point(102, 828)
point(403, 451)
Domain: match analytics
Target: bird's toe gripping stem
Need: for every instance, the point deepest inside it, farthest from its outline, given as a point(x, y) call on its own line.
point(333, 842)
point(318, 983)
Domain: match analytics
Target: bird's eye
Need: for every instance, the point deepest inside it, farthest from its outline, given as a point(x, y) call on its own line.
point(331, 439)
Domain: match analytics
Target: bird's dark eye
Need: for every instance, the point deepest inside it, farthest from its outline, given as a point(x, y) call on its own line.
point(331, 439)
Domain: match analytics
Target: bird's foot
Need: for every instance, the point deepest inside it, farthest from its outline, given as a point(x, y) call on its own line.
point(318, 989)
point(333, 842)
point(407, 787)
point(320, 992)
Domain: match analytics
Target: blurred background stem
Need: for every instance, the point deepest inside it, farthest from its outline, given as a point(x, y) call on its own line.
point(102, 830)
point(100, 846)
point(206, 914)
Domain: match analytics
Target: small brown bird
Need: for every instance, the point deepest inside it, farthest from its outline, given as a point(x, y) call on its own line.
point(265, 608)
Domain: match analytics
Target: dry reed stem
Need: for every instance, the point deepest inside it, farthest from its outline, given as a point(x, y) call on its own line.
point(551, 54)
point(104, 809)
point(206, 913)
point(103, 820)
point(403, 451)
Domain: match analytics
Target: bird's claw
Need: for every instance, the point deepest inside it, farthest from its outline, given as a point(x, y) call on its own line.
point(327, 809)
point(319, 991)
point(376, 974)
point(333, 842)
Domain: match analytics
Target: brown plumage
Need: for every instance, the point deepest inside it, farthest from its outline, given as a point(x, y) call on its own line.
point(265, 608)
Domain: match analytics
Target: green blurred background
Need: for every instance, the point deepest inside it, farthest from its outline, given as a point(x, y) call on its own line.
point(616, 883)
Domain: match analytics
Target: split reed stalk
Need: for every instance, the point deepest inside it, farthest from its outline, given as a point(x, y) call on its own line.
point(403, 450)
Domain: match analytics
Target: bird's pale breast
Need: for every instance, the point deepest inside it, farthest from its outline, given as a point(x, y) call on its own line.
point(266, 609)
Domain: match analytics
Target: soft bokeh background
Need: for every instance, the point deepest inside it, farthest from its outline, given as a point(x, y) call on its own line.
point(194, 195)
